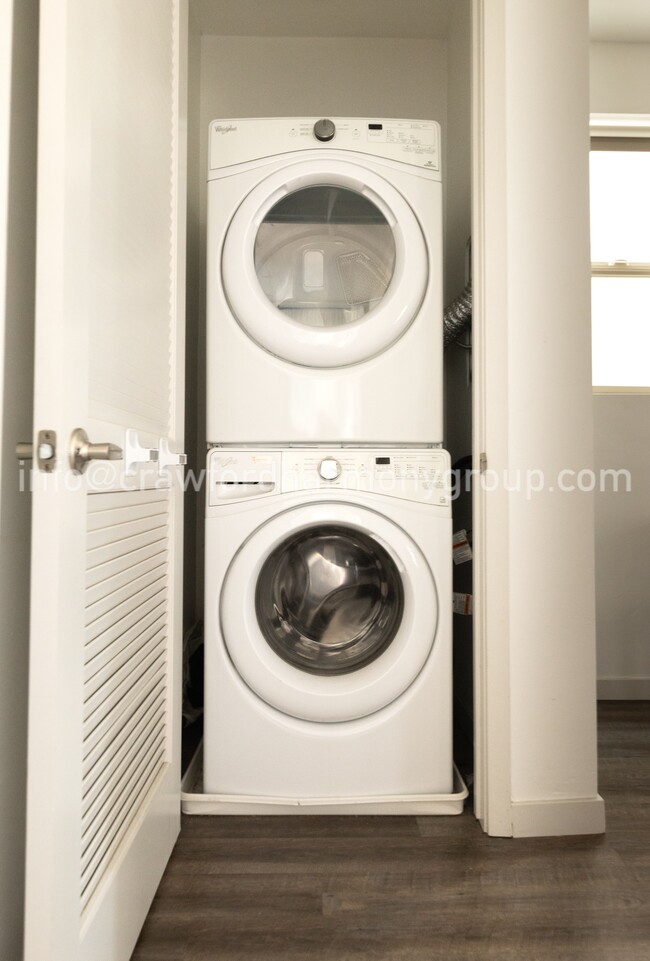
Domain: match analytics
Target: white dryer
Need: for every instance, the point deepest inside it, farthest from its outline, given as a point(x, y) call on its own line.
point(324, 282)
point(328, 624)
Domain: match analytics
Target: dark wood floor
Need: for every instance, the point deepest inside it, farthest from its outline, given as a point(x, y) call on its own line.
point(416, 889)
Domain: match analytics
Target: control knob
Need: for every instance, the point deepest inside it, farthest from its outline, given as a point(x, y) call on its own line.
point(329, 468)
point(324, 130)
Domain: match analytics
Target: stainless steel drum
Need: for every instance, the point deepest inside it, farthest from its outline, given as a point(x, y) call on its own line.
point(329, 600)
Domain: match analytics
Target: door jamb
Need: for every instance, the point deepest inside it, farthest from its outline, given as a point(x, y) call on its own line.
point(490, 412)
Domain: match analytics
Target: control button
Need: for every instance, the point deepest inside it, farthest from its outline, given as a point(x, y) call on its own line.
point(324, 130)
point(329, 468)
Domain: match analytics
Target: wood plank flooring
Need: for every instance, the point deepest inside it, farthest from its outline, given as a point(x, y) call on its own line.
point(416, 889)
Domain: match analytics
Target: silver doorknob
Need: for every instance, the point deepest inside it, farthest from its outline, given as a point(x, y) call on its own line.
point(82, 451)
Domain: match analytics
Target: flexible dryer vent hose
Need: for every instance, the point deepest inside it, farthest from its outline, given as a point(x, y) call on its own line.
point(457, 316)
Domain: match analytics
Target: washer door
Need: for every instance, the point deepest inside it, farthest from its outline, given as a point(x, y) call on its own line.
point(324, 264)
point(319, 615)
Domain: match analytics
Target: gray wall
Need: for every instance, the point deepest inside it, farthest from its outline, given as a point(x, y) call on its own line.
point(622, 440)
point(18, 112)
point(620, 83)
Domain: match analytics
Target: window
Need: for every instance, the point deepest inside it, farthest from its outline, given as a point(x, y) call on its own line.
point(620, 255)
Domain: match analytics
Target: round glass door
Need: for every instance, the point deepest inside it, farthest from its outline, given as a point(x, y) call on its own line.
point(324, 264)
point(328, 611)
point(329, 600)
point(325, 255)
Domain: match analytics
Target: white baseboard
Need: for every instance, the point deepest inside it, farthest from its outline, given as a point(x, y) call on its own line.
point(550, 818)
point(623, 689)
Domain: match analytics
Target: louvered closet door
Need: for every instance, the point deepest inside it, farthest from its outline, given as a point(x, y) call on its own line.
point(104, 724)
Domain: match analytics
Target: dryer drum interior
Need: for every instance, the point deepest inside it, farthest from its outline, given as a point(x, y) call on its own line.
point(325, 255)
point(329, 599)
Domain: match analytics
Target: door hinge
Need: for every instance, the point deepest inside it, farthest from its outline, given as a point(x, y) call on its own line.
point(482, 463)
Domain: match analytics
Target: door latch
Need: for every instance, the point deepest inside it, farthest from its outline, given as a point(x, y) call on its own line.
point(24, 450)
point(45, 451)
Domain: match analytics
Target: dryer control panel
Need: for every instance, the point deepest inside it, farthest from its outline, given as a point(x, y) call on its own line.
point(422, 475)
point(239, 141)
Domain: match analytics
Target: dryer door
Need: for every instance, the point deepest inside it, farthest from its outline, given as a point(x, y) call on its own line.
point(324, 264)
point(319, 612)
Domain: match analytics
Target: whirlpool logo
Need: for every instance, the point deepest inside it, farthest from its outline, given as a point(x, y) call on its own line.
point(229, 128)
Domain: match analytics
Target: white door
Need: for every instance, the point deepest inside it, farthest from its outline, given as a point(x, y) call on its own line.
point(324, 265)
point(104, 724)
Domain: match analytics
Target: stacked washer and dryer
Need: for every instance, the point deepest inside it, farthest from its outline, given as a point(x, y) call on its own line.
point(328, 523)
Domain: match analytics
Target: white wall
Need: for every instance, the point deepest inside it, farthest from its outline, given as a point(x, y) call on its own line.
point(620, 77)
point(458, 171)
point(18, 66)
point(620, 83)
point(331, 76)
point(622, 440)
point(550, 418)
point(535, 412)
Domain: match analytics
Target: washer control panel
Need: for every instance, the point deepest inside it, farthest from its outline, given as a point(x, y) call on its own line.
point(416, 474)
point(415, 142)
point(237, 475)
point(413, 474)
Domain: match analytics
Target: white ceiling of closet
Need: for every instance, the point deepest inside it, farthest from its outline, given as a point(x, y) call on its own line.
point(609, 20)
point(422, 19)
point(626, 21)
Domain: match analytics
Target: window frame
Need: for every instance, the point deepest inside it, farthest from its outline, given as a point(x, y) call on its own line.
point(624, 133)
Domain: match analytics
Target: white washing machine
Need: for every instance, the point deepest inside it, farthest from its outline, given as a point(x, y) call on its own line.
point(328, 624)
point(324, 282)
